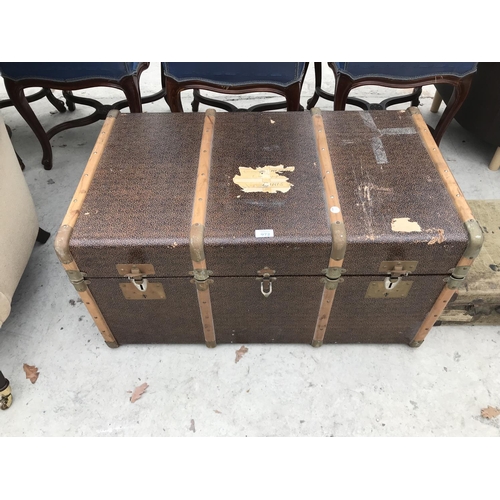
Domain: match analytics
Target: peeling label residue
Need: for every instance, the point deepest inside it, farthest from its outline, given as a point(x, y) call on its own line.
point(437, 239)
point(404, 225)
point(266, 179)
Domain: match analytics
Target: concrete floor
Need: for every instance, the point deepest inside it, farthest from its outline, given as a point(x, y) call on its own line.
point(277, 390)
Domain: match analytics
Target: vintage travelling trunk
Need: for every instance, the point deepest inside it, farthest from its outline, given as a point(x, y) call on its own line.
point(478, 301)
point(321, 227)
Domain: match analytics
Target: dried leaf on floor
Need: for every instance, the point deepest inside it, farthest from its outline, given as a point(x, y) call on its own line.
point(239, 353)
point(192, 428)
point(490, 412)
point(138, 392)
point(31, 372)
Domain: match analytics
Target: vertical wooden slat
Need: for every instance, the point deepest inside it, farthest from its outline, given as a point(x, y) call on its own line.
point(464, 212)
point(63, 236)
point(198, 225)
point(335, 217)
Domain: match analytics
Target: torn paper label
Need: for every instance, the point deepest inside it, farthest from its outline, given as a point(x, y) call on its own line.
point(404, 225)
point(266, 179)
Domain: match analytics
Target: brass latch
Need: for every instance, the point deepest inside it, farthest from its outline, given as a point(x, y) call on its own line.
point(139, 288)
point(136, 273)
point(266, 281)
point(392, 287)
point(396, 269)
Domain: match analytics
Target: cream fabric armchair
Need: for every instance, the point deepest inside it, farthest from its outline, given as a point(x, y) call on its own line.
point(18, 232)
point(18, 223)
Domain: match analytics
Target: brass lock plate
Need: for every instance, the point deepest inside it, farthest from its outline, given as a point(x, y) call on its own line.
point(146, 269)
point(407, 266)
point(154, 291)
point(377, 290)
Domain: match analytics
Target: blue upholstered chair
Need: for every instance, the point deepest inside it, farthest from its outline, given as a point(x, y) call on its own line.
point(67, 77)
point(283, 78)
point(349, 75)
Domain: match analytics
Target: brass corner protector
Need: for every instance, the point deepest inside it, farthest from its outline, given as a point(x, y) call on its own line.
point(112, 345)
point(196, 238)
point(78, 280)
point(61, 244)
point(317, 343)
point(210, 112)
point(316, 111)
point(211, 344)
point(413, 110)
point(416, 343)
point(476, 239)
point(454, 282)
point(339, 240)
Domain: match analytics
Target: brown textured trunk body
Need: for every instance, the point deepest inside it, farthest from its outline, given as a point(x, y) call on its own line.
point(234, 265)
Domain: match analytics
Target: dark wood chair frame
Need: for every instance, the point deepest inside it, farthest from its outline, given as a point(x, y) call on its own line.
point(44, 92)
point(174, 89)
point(129, 85)
point(344, 84)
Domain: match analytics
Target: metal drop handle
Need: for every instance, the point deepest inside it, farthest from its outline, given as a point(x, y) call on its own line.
point(270, 289)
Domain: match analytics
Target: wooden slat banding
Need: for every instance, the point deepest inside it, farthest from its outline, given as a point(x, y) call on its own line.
point(336, 221)
point(464, 212)
point(198, 226)
point(63, 236)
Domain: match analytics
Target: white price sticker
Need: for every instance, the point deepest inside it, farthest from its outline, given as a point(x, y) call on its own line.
point(264, 233)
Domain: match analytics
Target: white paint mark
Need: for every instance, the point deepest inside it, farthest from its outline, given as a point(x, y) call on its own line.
point(367, 118)
point(377, 145)
point(335, 210)
point(398, 131)
point(379, 151)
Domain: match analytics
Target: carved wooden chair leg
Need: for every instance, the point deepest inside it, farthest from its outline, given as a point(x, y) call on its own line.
point(195, 104)
point(130, 87)
point(5, 393)
point(456, 100)
point(173, 96)
point(436, 102)
point(495, 161)
point(42, 236)
point(16, 94)
point(57, 103)
point(19, 159)
point(317, 85)
point(293, 97)
point(68, 96)
point(343, 85)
